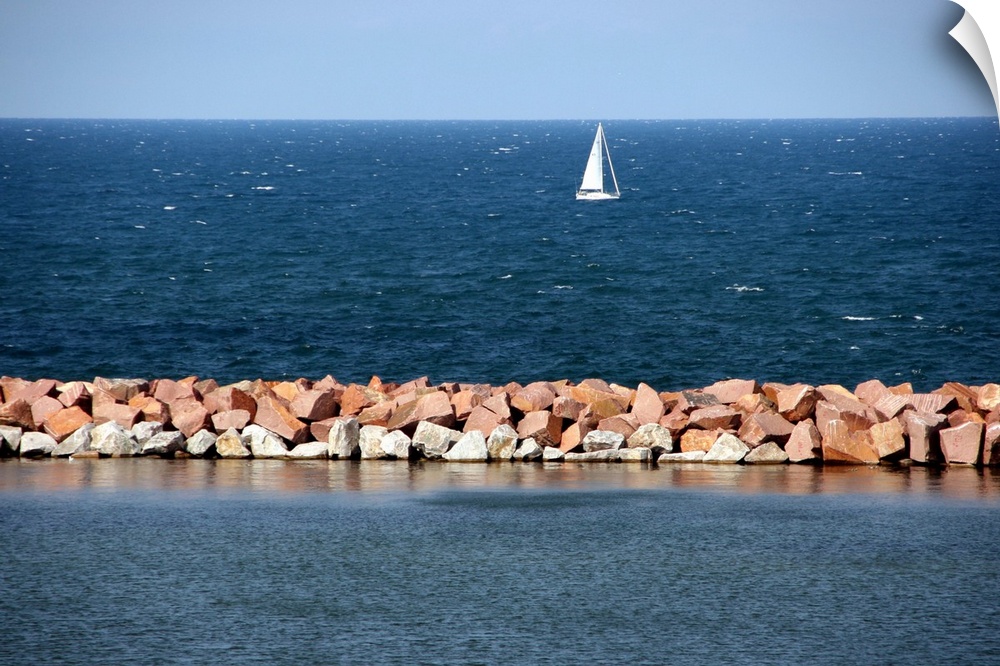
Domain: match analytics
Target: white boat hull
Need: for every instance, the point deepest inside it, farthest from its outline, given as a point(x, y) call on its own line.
point(595, 196)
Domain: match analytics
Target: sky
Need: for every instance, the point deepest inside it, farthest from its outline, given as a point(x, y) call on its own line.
point(485, 59)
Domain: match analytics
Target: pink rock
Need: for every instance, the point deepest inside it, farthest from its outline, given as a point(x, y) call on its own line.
point(122, 390)
point(797, 402)
point(314, 405)
point(991, 445)
point(534, 397)
point(931, 403)
point(229, 398)
point(965, 396)
point(543, 426)
point(124, 415)
point(151, 409)
point(854, 413)
point(715, 417)
point(647, 407)
point(276, 417)
point(288, 390)
point(320, 430)
point(65, 422)
point(189, 416)
point(74, 394)
point(602, 403)
point(35, 390)
point(922, 430)
point(870, 392)
point(623, 424)
point(434, 407)
point(962, 444)
point(10, 386)
point(42, 408)
point(499, 404)
point(841, 446)
point(890, 405)
point(675, 422)
point(805, 443)
point(484, 420)
point(356, 398)
point(236, 419)
point(169, 391)
point(378, 414)
point(765, 427)
point(567, 408)
point(755, 403)
point(698, 440)
point(729, 391)
point(464, 401)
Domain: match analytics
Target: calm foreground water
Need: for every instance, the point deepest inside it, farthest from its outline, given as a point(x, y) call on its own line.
point(235, 562)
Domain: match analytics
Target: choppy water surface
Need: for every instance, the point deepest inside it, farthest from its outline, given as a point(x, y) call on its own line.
point(150, 561)
point(816, 251)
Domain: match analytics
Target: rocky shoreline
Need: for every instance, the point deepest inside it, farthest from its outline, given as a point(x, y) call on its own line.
point(731, 421)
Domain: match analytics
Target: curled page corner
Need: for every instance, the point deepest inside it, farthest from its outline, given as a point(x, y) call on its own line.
point(979, 33)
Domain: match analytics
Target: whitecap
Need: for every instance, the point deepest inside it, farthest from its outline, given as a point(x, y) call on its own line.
point(266, 188)
point(140, 226)
point(853, 318)
point(505, 277)
point(742, 288)
point(562, 286)
point(170, 208)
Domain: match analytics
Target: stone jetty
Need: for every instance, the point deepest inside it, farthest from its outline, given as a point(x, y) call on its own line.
point(732, 421)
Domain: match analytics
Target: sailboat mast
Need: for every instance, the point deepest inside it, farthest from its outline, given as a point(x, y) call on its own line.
point(610, 166)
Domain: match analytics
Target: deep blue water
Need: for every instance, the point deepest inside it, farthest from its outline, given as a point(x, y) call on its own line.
point(817, 251)
point(180, 562)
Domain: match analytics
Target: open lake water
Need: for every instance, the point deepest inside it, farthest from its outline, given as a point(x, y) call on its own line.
point(815, 251)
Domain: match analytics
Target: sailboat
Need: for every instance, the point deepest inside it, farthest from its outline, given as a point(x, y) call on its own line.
point(592, 188)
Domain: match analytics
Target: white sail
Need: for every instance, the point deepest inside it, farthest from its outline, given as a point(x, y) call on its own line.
point(592, 187)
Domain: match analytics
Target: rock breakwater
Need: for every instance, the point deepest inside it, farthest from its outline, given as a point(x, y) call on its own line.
point(731, 421)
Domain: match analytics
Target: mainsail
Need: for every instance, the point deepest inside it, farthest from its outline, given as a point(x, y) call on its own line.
point(592, 187)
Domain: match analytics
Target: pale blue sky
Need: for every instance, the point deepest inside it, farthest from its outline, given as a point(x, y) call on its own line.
point(504, 59)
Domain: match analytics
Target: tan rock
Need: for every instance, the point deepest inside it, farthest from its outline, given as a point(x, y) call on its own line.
point(273, 415)
point(42, 407)
point(698, 440)
point(356, 398)
point(237, 419)
point(965, 396)
point(805, 443)
point(602, 403)
point(890, 405)
point(287, 391)
point(730, 390)
point(765, 427)
point(10, 386)
point(484, 420)
point(922, 429)
point(543, 426)
point(464, 401)
point(65, 422)
point(122, 390)
point(988, 397)
point(534, 397)
point(573, 436)
point(962, 445)
point(888, 439)
point(169, 391)
point(229, 398)
point(797, 402)
point(150, 408)
point(834, 392)
point(377, 415)
point(755, 403)
point(931, 403)
point(906, 388)
point(854, 413)
point(647, 407)
point(715, 417)
point(871, 392)
point(841, 446)
point(189, 416)
point(232, 444)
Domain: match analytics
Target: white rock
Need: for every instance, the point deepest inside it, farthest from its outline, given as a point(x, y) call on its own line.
point(602, 440)
point(433, 440)
point(470, 448)
point(344, 439)
point(727, 449)
point(370, 442)
point(552, 454)
point(502, 442)
point(201, 443)
point(264, 443)
point(144, 430)
point(600, 455)
point(768, 453)
point(110, 439)
point(528, 450)
point(309, 451)
point(163, 444)
point(10, 440)
point(652, 436)
point(37, 444)
point(75, 443)
point(639, 455)
point(397, 444)
point(682, 457)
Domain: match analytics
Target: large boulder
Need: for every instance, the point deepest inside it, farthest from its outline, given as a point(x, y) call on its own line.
point(652, 436)
point(840, 446)
point(432, 440)
point(543, 426)
point(202, 444)
point(64, 422)
point(264, 443)
point(470, 448)
point(10, 440)
point(768, 453)
point(434, 407)
point(535, 397)
point(164, 444)
point(961, 445)
point(37, 444)
point(602, 440)
point(344, 439)
point(805, 443)
point(502, 442)
point(647, 407)
point(314, 405)
point(528, 450)
point(887, 437)
point(231, 444)
point(715, 417)
point(397, 444)
point(273, 415)
point(370, 442)
point(76, 443)
point(111, 439)
point(309, 451)
point(727, 449)
point(765, 427)
point(695, 456)
point(922, 429)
